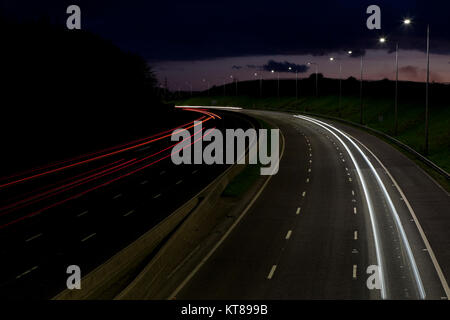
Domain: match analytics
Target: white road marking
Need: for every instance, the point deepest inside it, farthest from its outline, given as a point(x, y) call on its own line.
point(304, 194)
point(83, 213)
point(307, 180)
point(367, 197)
point(355, 269)
point(309, 170)
point(272, 271)
point(117, 196)
point(354, 210)
point(355, 235)
point(298, 210)
point(88, 237)
point(392, 207)
point(353, 193)
point(179, 181)
point(26, 272)
point(33, 237)
point(194, 172)
point(144, 182)
point(288, 235)
point(310, 161)
point(128, 213)
point(162, 172)
point(157, 196)
point(419, 227)
point(230, 229)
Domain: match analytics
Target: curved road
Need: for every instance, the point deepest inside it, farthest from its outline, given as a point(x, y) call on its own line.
point(343, 204)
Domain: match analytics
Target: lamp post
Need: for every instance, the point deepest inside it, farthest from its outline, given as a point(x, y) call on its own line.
point(260, 82)
point(296, 82)
point(427, 90)
point(278, 82)
point(206, 82)
point(340, 84)
point(317, 80)
point(235, 80)
point(383, 40)
point(361, 111)
point(426, 148)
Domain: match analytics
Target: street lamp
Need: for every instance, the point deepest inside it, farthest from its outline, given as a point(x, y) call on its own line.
point(396, 85)
point(361, 110)
point(207, 85)
point(296, 82)
point(278, 82)
point(317, 80)
point(189, 84)
point(340, 85)
point(408, 22)
point(260, 83)
point(235, 80)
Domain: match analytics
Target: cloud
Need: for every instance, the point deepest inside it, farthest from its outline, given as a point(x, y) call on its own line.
point(410, 72)
point(284, 67)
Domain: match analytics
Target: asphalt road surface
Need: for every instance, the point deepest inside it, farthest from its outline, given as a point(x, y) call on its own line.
point(332, 214)
point(83, 210)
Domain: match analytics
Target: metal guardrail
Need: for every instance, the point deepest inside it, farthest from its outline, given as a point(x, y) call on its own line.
point(398, 143)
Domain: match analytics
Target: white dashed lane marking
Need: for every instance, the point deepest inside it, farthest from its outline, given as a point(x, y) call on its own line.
point(33, 237)
point(88, 237)
point(128, 213)
point(355, 269)
point(288, 235)
point(82, 213)
point(26, 272)
point(272, 271)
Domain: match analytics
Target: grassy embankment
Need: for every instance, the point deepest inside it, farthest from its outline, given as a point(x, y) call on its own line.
point(247, 177)
point(378, 114)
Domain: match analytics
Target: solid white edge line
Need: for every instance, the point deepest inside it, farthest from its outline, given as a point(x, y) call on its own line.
point(226, 234)
point(368, 200)
point(419, 227)
point(393, 210)
point(272, 271)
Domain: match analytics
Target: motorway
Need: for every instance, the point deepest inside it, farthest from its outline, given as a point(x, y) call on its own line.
point(342, 202)
point(82, 211)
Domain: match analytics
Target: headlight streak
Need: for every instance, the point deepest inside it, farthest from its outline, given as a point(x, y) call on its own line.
point(369, 205)
point(392, 207)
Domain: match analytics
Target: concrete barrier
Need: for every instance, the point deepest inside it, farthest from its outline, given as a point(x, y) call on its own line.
point(149, 284)
point(100, 283)
point(197, 226)
point(109, 279)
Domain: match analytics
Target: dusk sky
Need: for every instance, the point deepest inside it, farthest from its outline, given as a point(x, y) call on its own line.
point(203, 42)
